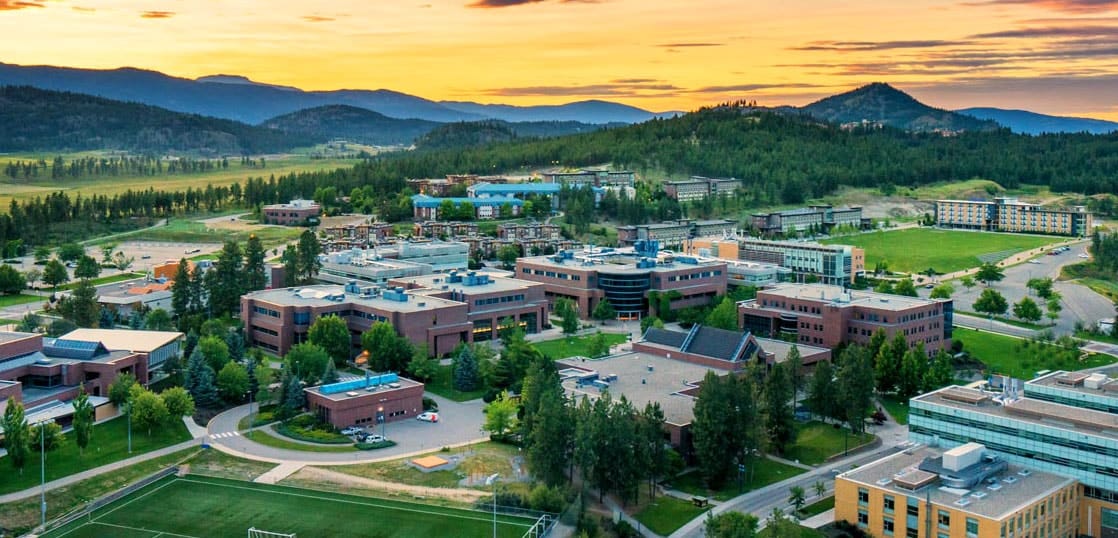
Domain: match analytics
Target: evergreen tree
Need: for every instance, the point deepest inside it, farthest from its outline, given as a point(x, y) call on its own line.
point(941, 373)
point(81, 305)
point(887, 363)
point(795, 363)
point(197, 290)
point(821, 397)
point(136, 320)
point(205, 391)
point(83, 419)
point(87, 268)
point(290, 261)
point(308, 251)
point(16, 433)
point(194, 365)
point(255, 267)
point(651, 438)
point(778, 414)
point(724, 429)
point(330, 374)
point(224, 282)
point(236, 345)
point(854, 384)
point(293, 397)
point(914, 368)
point(465, 371)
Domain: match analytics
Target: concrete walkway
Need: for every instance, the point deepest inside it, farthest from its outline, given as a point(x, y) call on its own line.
point(196, 431)
point(818, 520)
point(279, 472)
point(90, 473)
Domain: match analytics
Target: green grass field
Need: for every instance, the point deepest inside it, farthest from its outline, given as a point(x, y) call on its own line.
point(184, 230)
point(915, 250)
point(109, 444)
point(214, 507)
point(817, 441)
point(666, 514)
point(895, 407)
point(763, 472)
point(23, 298)
point(1020, 358)
point(561, 348)
point(443, 385)
point(268, 439)
point(818, 507)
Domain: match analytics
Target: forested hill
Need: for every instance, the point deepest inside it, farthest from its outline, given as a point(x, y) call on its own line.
point(41, 120)
point(478, 133)
point(353, 124)
point(882, 103)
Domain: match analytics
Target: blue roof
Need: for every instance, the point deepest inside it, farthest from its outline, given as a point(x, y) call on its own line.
point(532, 188)
point(361, 383)
point(72, 349)
point(422, 200)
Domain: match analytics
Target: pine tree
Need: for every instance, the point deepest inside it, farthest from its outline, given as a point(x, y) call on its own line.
point(205, 391)
point(466, 374)
point(293, 397)
point(330, 375)
point(821, 397)
point(181, 290)
point(779, 419)
point(255, 269)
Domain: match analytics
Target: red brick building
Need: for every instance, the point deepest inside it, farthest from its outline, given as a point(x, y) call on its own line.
point(825, 315)
point(366, 401)
point(294, 213)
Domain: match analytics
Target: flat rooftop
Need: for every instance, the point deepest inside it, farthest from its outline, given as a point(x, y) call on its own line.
point(618, 261)
point(382, 389)
point(641, 378)
point(1015, 487)
point(1078, 381)
point(780, 348)
point(837, 296)
point(6, 336)
point(498, 281)
point(315, 296)
point(125, 339)
point(1053, 415)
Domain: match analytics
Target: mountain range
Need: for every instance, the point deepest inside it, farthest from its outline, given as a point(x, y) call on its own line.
point(1025, 122)
point(884, 104)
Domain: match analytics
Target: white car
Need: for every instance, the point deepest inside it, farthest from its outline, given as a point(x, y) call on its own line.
point(375, 438)
point(1084, 255)
point(428, 417)
point(352, 430)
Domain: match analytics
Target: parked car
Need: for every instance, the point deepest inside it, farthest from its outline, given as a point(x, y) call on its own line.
point(428, 417)
point(352, 430)
point(374, 438)
point(1084, 255)
point(193, 250)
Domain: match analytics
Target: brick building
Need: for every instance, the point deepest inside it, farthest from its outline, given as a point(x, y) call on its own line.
point(820, 217)
point(700, 188)
point(830, 264)
point(294, 213)
point(1010, 215)
point(366, 401)
point(427, 208)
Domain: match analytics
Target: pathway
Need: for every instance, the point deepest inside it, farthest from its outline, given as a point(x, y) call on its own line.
point(343, 479)
point(279, 472)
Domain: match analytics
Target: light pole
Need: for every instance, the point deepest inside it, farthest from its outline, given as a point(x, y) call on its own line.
point(493, 480)
point(43, 474)
point(380, 419)
point(128, 412)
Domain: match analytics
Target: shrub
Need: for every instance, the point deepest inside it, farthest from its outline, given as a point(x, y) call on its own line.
point(373, 446)
point(430, 404)
point(546, 499)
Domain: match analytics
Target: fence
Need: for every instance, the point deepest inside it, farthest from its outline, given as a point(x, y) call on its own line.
point(94, 505)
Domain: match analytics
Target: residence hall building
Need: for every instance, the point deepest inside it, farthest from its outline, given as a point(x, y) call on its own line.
point(1010, 215)
point(819, 217)
point(366, 401)
point(293, 213)
point(624, 277)
point(674, 233)
point(824, 315)
point(593, 177)
point(968, 491)
point(1071, 439)
point(700, 188)
point(427, 207)
point(830, 264)
point(440, 318)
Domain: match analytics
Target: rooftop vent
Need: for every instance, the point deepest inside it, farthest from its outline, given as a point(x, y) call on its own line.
point(1024, 472)
point(1010, 480)
point(979, 495)
point(884, 481)
point(962, 502)
point(994, 487)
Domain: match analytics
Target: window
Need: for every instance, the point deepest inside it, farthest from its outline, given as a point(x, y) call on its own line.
point(911, 532)
point(863, 496)
point(944, 519)
point(889, 504)
point(863, 518)
point(972, 527)
point(887, 526)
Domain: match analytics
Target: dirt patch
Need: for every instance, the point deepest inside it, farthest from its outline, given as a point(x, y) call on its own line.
point(343, 220)
point(319, 476)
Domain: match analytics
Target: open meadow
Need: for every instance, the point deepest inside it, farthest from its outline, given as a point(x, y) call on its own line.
point(915, 250)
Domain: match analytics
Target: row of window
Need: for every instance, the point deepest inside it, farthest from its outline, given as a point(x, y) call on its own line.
point(496, 300)
point(551, 274)
point(265, 311)
point(694, 276)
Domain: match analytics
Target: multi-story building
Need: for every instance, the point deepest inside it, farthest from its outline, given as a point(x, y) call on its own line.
point(366, 401)
point(523, 191)
point(442, 229)
point(825, 315)
point(359, 235)
point(455, 308)
point(531, 230)
point(1073, 438)
point(963, 492)
point(1010, 215)
point(427, 207)
point(592, 177)
point(673, 233)
point(405, 259)
point(295, 213)
point(830, 264)
point(700, 188)
point(625, 278)
point(820, 217)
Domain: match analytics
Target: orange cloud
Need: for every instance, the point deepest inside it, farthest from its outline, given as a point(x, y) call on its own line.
point(12, 5)
point(157, 14)
point(316, 18)
point(1070, 6)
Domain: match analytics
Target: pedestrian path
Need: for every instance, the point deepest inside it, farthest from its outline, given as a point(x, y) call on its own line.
point(279, 472)
point(225, 435)
point(196, 431)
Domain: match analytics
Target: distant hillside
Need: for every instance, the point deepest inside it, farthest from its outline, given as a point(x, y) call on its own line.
point(477, 133)
point(882, 103)
point(351, 123)
point(1025, 122)
point(593, 111)
point(40, 120)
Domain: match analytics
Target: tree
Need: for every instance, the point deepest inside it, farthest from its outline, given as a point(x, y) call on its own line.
point(81, 305)
point(293, 399)
point(1042, 286)
point(568, 315)
point(157, 320)
point(307, 259)
point(87, 268)
point(329, 374)
point(178, 402)
point(388, 352)
point(597, 346)
point(33, 276)
point(215, 350)
point(603, 311)
point(147, 409)
point(121, 388)
point(290, 261)
point(780, 427)
point(967, 282)
point(12, 281)
point(60, 327)
point(725, 427)
point(914, 367)
point(905, 287)
point(83, 420)
point(422, 367)
point(1054, 307)
point(1026, 309)
point(730, 524)
point(205, 391)
point(550, 442)
point(940, 373)
point(181, 293)
point(887, 363)
point(465, 371)
point(70, 252)
point(796, 497)
point(16, 432)
point(55, 274)
point(821, 398)
point(107, 251)
point(29, 323)
point(819, 488)
point(988, 273)
point(795, 364)
point(508, 255)
point(500, 415)
point(331, 333)
point(991, 302)
point(41, 254)
point(255, 269)
point(48, 434)
point(724, 316)
point(649, 322)
point(854, 382)
point(943, 291)
point(232, 382)
point(307, 362)
point(122, 262)
point(224, 282)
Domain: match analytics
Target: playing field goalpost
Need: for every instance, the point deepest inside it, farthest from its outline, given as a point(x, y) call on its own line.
point(254, 532)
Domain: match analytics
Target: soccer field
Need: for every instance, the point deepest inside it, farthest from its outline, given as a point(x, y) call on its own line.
point(914, 250)
point(202, 507)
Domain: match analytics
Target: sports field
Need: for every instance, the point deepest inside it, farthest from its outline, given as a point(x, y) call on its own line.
point(197, 507)
point(914, 250)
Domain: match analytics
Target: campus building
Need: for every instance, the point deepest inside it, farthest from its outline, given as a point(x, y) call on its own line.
point(674, 233)
point(439, 311)
point(366, 401)
point(452, 182)
point(722, 349)
point(358, 235)
point(1006, 214)
point(1025, 424)
point(825, 315)
point(829, 264)
point(295, 213)
point(434, 229)
point(427, 208)
point(529, 231)
point(818, 217)
point(625, 278)
point(382, 264)
point(967, 491)
point(592, 177)
point(699, 188)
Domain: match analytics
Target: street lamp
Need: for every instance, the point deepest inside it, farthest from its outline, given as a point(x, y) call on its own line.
point(488, 481)
point(43, 473)
point(380, 419)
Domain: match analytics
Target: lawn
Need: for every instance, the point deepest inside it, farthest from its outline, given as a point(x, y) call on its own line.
point(480, 459)
point(183, 230)
point(561, 348)
point(895, 407)
point(268, 439)
point(805, 532)
point(13, 300)
point(1007, 320)
point(666, 514)
point(758, 475)
point(104, 280)
point(204, 506)
point(818, 507)
point(443, 385)
point(18, 517)
point(914, 250)
point(817, 441)
point(1022, 359)
point(219, 464)
point(109, 444)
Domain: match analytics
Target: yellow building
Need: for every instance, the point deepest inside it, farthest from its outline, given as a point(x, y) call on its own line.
point(1011, 215)
point(965, 492)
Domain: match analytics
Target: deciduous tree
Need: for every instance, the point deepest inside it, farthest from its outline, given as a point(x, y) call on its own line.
point(331, 333)
point(991, 302)
point(83, 420)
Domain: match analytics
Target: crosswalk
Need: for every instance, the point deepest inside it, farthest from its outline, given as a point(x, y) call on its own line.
point(224, 435)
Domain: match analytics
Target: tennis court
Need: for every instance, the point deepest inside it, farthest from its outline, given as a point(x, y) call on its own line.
point(203, 507)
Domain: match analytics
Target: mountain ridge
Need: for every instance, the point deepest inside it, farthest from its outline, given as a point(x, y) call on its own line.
point(1029, 122)
point(881, 103)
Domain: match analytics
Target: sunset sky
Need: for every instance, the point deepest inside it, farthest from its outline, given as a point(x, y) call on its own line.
point(1052, 56)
